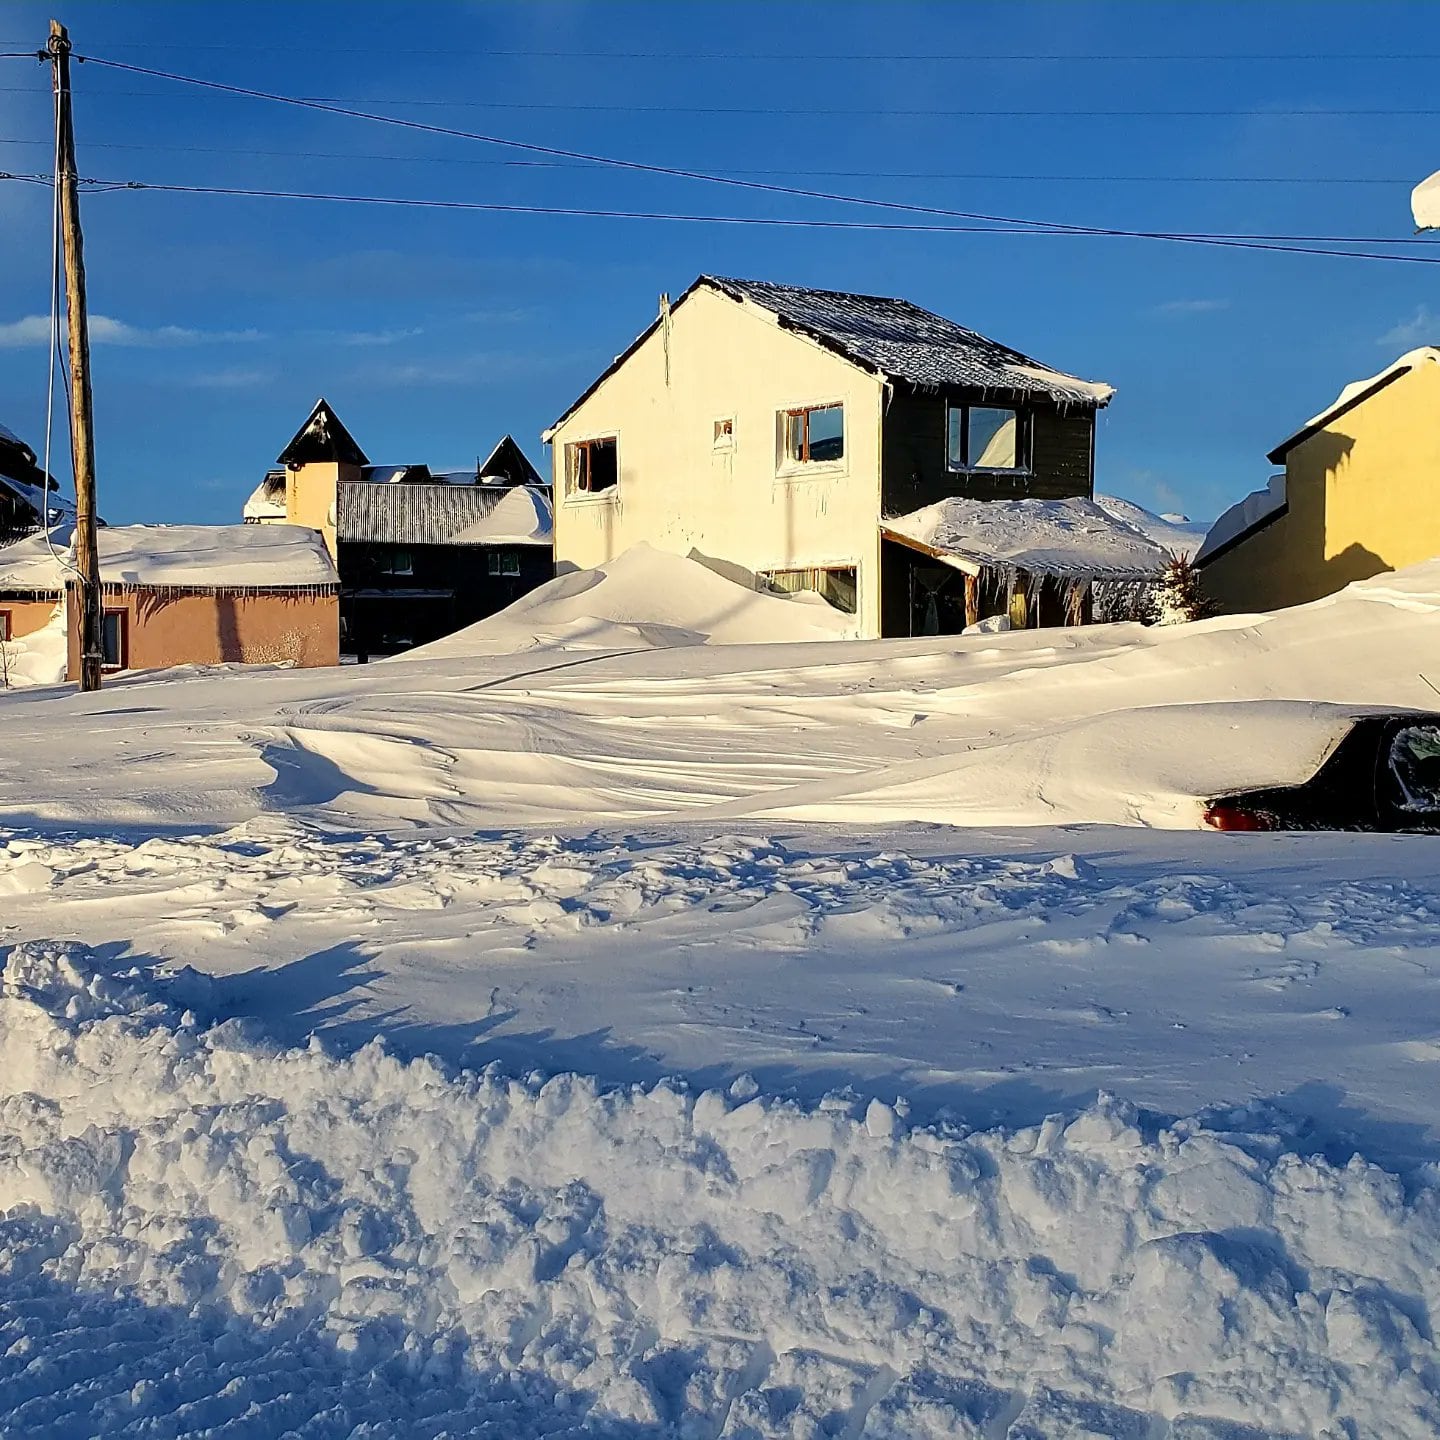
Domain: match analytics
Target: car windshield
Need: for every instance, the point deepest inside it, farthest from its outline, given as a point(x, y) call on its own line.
point(1415, 763)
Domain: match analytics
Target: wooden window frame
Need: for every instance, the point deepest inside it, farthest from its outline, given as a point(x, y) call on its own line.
point(574, 491)
point(852, 567)
point(804, 463)
point(6, 623)
point(1024, 439)
point(122, 639)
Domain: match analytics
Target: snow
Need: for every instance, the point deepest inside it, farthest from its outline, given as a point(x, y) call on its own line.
point(1095, 390)
point(39, 658)
point(271, 557)
point(1422, 355)
point(679, 1024)
point(261, 507)
point(1177, 534)
point(1425, 202)
point(1064, 537)
point(522, 517)
point(648, 598)
point(1244, 516)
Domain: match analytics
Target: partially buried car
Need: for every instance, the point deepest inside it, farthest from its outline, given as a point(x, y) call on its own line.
point(1383, 774)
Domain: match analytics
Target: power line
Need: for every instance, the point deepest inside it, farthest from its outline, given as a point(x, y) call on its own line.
point(615, 162)
point(818, 112)
point(730, 170)
point(781, 57)
point(1289, 244)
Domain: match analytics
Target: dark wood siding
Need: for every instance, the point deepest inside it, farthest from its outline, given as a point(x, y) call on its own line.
point(914, 472)
point(450, 587)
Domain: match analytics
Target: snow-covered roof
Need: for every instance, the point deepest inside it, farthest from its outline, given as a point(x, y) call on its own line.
point(1178, 534)
point(179, 557)
point(1073, 538)
point(432, 514)
point(1353, 394)
point(267, 499)
point(1258, 508)
point(523, 517)
point(9, 437)
point(888, 337)
point(904, 342)
point(1425, 203)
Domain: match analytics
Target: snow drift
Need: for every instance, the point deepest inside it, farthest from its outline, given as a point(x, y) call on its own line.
point(650, 598)
point(204, 1233)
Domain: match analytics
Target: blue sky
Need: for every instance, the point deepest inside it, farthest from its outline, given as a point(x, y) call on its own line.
point(433, 333)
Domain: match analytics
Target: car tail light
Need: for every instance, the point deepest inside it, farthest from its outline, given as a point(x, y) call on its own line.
point(1226, 816)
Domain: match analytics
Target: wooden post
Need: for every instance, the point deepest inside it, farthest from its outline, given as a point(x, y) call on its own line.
point(82, 435)
point(972, 601)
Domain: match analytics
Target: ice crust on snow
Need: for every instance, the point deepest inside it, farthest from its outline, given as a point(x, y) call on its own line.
point(1057, 537)
point(204, 1233)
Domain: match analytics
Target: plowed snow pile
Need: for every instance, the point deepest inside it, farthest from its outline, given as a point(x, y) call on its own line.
point(205, 1234)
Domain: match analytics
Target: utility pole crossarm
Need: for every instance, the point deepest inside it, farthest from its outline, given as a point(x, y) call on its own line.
point(82, 435)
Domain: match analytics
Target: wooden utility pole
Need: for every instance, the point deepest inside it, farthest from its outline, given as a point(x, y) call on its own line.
point(82, 435)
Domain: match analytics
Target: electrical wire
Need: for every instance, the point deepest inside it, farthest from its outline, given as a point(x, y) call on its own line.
point(615, 162)
point(732, 170)
point(820, 112)
point(1290, 244)
point(780, 56)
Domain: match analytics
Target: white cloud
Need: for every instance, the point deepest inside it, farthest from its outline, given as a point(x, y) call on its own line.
point(232, 377)
point(1190, 307)
point(105, 330)
point(1422, 328)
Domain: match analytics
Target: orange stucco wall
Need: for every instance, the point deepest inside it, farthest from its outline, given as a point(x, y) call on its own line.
point(252, 629)
point(28, 616)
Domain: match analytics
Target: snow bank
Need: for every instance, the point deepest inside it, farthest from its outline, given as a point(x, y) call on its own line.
point(649, 598)
point(1177, 534)
point(1056, 537)
point(204, 1233)
point(523, 517)
point(40, 658)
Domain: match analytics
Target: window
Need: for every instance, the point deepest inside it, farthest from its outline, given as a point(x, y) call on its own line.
point(114, 628)
point(724, 438)
point(592, 467)
point(837, 584)
point(4, 624)
point(502, 562)
point(397, 562)
point(989, 437)
point(1415, 764)
point(812, 435)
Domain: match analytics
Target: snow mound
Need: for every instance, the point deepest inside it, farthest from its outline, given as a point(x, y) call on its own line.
point(1244, 516)
point(40, 658)
point(523, 517)
point(203, 1233)
point(644, 598)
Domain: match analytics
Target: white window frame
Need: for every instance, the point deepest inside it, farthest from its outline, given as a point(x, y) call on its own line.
point(723, 444)
point(573, 496)
point(788, 469)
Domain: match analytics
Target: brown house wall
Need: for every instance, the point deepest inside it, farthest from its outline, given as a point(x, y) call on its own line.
point(249, 629)
point(27, 616)
point(915, 471)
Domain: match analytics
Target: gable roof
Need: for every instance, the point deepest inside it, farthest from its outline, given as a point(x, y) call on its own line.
point(888, 337)
point(322, 438)
point(1352, 395)
point(507, 460)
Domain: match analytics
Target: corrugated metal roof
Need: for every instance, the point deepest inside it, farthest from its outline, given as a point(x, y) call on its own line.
point(417, 514)
point(904, 342)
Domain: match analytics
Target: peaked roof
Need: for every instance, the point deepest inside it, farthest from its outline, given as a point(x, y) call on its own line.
point(322, 438)
point(507, 459)
point(892, 338)
point(1354, 394)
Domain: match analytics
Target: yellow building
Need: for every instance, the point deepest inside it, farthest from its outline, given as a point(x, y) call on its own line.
point(1360, 495)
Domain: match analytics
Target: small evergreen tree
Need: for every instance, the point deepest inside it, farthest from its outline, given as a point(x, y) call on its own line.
point(1180, 596)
